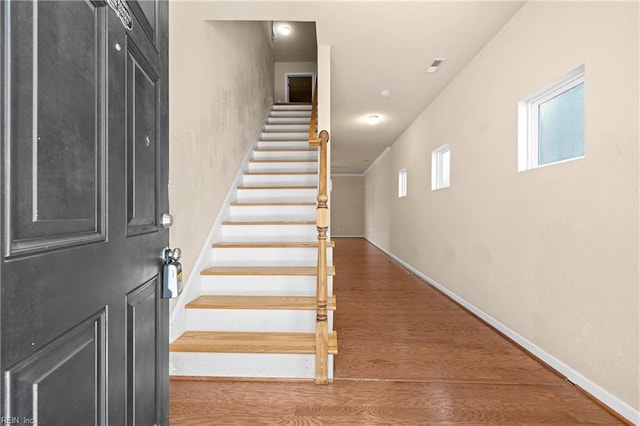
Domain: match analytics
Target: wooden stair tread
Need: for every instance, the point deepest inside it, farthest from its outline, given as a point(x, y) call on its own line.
point(285, 149)
point(278, 244)
point(250, 342)
point(301, 127)
point(270, 223)
point(280, 187)
point(275, 203)
point(301, 140)
point(279, 173)
point(266, 270)
point(283, 161)
point(284, 131)
point(292, 103)
point(307, 303)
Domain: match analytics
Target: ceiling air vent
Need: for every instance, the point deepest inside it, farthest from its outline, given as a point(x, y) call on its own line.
point(435, 65)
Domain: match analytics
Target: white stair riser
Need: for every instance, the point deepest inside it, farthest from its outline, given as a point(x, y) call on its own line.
point(251, 233)
point(275, 256)
point(284, 135)
point(261, 285)
point(254, 320)
point(294, 113)
point(291, 107)
point(281, 217)
point(244, 365)
point(307, 166)
point(285, 155)
point(277, 195)
point(265, 212)
point(275, 180)
point(275, 218)
point(287, 127)
point(289, 120)
point(278, 144)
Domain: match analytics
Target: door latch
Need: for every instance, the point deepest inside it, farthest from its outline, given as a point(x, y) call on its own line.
point(171, 273)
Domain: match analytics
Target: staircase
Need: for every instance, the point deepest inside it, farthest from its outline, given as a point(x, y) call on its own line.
point(256, 314)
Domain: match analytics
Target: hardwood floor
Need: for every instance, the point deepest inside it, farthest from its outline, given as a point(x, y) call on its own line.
point(407, 356)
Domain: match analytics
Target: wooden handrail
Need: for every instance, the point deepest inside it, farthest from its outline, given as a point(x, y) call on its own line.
point(322, 224)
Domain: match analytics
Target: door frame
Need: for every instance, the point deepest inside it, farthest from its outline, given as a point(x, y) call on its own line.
point(298, 74)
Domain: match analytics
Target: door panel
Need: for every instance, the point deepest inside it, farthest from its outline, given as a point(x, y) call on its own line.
point(147, 13)
point(143, 313)
point(41, 377)
point(142, 151)
point(56, 130)
point(83, 330)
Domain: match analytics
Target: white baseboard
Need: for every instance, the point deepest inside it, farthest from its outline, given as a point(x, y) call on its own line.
point(347, 236)
point(192, 288)
point(598, 392)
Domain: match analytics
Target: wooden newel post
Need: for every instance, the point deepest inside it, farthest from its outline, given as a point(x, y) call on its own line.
point(322, 224)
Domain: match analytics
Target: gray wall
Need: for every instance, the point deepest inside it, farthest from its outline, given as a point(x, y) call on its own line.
point(347, 206)
point(221, 84)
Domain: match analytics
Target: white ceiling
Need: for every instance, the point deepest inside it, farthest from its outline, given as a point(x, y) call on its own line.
point(378, 45)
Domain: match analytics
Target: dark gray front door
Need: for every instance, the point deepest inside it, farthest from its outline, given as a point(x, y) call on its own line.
point(83, 330)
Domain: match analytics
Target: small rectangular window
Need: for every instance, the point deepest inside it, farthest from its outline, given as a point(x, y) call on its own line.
point(440, 167)
point(551, 123)
point(402, 183)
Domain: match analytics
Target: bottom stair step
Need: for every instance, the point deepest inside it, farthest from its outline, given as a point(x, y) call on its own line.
point(249, 342)
point(239, 366)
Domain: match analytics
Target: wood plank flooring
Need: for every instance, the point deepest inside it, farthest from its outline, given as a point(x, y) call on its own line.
point(407, 356)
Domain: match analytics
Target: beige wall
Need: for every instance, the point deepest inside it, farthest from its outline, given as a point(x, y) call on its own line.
point(552, 253)
point(281, 68)
point(347, 205)
point(221, 84)
point(380, 190)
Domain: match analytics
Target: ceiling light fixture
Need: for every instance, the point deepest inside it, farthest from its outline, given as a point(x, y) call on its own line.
point(284, 30)
point(385, 93)
point(373, 119)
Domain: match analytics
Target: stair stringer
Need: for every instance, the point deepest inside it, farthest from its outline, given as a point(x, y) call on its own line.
point(193, 286)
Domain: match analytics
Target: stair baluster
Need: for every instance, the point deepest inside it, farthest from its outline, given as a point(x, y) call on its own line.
point(322, 224)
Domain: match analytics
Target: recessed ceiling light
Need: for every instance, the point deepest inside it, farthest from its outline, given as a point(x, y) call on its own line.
point(385, 93)
point(373, 119)
point(284, 30)
point(435, 65)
